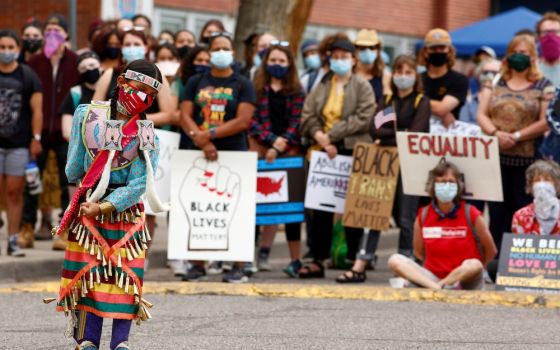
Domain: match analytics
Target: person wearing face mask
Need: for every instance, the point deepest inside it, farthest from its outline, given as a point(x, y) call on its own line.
point(216, 111)
point(263, 43)
point(408, 109)
point(20, 134)
point(184, 41)
point(167, 60)
point(514, 111)
point(274, 132)
point(370, 63)
point(106, 213)
point(485, 73)
point(57, 68)
point(336, 115)
point(446, 88)
point(107, 45)
point(312, 63)
point(32, 40)
point(548, 31)
point(450, 238)
point(542, 217)
point(550, 147)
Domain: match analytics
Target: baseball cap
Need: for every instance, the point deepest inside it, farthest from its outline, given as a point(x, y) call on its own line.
point(367, 37)
point(487, 50)
point(309, 44)
point(57, 19)
point(345, 45)
point(437, 37)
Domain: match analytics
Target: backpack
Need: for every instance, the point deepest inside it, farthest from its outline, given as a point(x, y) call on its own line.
point(469, 223)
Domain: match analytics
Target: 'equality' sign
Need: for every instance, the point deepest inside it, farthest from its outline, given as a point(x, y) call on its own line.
point(371, 189)
point(477, 157)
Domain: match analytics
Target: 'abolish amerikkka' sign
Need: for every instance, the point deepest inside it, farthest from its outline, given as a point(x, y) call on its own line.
point(327, 182)
point(477, 158)
point(371, 190)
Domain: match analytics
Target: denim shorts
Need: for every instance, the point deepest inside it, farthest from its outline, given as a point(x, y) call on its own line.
point(13, 161)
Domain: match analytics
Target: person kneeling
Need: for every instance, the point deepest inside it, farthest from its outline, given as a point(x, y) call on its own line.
point(450, 237)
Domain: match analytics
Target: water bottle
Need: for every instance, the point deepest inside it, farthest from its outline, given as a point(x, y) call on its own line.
point(33, 178)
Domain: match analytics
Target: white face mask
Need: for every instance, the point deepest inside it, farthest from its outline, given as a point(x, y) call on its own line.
point(545, 200)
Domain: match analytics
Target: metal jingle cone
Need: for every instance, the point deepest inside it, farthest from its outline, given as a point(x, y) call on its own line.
point(99, 255)
point(119, 259)
point(86, 246)
point(90, 280)
point(135, 254)
point(92, 248)
point(75, 229)
point(143, 235)
point(128, 254)
point(110, 268)
point(137, 246)
point(116, 277)
point(103, 260)
point(127, 284)
point(121, 280)
point(78, 233)
point(65, 305)
point(84, 287)
point(81, 240)
point(105, 273)
point(97, 276)
point(48, 300)
point(148, 237)
point(101, 218)
point(147, 303)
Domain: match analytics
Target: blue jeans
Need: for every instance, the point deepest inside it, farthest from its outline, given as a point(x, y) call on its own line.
point(90, 327)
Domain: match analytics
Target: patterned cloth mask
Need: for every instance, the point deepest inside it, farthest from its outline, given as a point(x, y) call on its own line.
point(132, 101)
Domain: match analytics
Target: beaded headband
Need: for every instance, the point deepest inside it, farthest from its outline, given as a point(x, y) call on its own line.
point(143, 78)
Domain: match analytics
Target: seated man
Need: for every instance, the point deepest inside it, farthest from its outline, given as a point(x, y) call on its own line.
point(450, 237)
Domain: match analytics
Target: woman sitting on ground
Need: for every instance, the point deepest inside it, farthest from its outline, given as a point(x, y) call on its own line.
point(450, 237)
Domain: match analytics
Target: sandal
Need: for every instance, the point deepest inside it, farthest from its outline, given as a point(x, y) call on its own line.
point(307, 272)
point(356, 277)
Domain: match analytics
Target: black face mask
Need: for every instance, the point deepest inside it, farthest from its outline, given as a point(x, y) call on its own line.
point(91, 76)
point(183, 51)
point(437, 59)
point(32, 45)
point(112, 52)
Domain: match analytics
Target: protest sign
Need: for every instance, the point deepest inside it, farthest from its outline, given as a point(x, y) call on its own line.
point(476, 157)
point(168, 144)
point(280, 191)
point(529, 263)
point(372, 185)
point(213, 206)
point(327, 182)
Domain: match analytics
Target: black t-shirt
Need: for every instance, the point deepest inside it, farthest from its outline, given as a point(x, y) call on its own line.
point(15, 107)
point(452, 83)
point(86, 94)
point(277, 109)
point(215, 102)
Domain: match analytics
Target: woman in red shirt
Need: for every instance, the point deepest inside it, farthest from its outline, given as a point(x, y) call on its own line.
point(542, 217)
point(450, 237)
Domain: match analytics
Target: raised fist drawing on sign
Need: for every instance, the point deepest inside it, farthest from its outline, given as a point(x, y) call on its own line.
point(209, 195)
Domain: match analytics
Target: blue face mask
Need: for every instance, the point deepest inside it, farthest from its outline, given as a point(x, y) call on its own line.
point(277, 71)
point(446, 191)
point(133, 53)
point(257, 61)
point(341, 66)
point(8, 57)
point(367, 56)
point(201, 68)
point(221, 59)
point(312, 61)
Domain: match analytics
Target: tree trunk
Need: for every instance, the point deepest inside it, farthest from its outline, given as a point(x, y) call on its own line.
point(286, 19)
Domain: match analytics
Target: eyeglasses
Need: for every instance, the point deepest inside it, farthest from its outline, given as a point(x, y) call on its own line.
point(279, 43)
point(374, 47)
point(135, 28)
point(217, 34)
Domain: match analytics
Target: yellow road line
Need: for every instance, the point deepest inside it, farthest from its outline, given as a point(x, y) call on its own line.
point(364, 292)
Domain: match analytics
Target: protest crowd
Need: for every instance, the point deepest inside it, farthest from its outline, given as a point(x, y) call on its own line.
point(334, 94)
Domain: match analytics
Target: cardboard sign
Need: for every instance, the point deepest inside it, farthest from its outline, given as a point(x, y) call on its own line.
point(476, 157)
point(213, 206)
point(327, 182)
point(529, 263)
point(280, 191)
point(371, 190)
point(168, 144)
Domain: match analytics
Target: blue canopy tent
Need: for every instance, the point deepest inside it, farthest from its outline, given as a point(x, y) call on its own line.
point(495, 31)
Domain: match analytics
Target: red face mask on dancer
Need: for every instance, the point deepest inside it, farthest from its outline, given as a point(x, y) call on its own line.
point(132, 101)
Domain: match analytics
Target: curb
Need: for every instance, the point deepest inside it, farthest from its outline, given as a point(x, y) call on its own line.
point(21, 270)
point(373, 293)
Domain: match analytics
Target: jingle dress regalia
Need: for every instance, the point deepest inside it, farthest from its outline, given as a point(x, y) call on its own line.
point(104, 262)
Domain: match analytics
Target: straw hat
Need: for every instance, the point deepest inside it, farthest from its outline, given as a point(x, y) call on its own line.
point(367, 37)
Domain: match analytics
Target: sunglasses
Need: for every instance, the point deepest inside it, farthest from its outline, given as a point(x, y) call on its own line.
point(375, 47)
point(279, 43)
point(135, 28)
point(217, 34)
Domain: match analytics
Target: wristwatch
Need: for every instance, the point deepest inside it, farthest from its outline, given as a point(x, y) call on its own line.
point(517, 135)
point(37, 137)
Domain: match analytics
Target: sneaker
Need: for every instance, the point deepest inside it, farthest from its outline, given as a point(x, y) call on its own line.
point(236, 275)
point(13, 248)
point(263, 264)
point(195, 273)
point(179, 267)
point(292, 269)
point(123, 346)
point(86, 345)
point(215, 268)
point(227, 266)
point(250, 268)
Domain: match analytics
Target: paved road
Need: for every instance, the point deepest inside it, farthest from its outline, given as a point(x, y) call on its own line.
point(222, 322)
